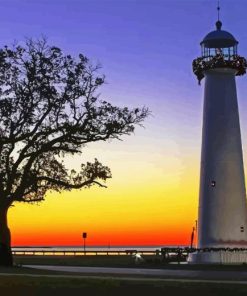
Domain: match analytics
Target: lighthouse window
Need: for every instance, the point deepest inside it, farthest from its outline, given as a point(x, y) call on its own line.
point(242, 228)
point(213, 183)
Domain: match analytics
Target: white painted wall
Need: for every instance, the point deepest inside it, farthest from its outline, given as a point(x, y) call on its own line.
point(222, 209)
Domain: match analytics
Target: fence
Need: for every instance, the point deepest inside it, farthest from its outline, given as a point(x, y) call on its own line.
point(79, 252)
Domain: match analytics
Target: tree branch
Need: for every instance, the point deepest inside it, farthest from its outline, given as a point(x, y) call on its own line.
point(67, 185)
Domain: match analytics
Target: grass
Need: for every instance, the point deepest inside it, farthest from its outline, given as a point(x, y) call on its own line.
point(117, 261)
point(75, 260)
point(21, 285)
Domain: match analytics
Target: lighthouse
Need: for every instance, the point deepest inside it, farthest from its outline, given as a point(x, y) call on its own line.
point(222, 214)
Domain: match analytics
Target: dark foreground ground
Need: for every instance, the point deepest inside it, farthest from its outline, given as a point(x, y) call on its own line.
point(34, 286)
point(24, 281)
point(117, 261)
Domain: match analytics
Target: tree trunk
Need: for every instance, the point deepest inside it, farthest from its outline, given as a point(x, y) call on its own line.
point(6, 258)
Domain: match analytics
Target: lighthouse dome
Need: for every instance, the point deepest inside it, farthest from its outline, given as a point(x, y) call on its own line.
point(219, 38)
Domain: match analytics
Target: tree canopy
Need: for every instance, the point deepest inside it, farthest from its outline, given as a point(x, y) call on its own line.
point(50, 108)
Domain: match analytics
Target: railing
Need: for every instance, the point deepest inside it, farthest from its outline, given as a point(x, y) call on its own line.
point(202, 64)
point(163, 251)
point(226, 57)
point(79, 252)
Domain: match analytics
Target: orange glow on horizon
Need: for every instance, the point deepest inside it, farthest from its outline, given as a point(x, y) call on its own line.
point(151, 200)
point(122, 239)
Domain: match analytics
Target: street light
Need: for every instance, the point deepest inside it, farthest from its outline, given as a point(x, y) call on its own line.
point(84, 236)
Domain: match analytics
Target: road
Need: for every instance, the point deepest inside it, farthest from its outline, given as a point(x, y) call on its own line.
point(207, 275)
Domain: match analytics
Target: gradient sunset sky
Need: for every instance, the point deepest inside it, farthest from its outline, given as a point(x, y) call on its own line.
point(146, 48)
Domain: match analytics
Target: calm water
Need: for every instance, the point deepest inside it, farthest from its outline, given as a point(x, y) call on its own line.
point(89, 248)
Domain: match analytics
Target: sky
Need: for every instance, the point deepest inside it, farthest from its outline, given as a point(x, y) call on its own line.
point(146, 48)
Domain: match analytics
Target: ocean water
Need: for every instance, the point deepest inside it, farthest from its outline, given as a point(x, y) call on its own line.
point(87, 248)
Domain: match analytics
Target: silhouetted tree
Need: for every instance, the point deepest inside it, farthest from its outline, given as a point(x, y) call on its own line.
point(49, 109)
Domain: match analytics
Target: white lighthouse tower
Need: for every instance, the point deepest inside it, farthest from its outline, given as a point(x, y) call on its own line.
point(222, 216)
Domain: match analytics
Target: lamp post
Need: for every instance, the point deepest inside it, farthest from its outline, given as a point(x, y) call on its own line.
point(84, 236)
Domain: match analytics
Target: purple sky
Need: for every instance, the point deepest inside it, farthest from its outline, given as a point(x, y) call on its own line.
point(145, 47)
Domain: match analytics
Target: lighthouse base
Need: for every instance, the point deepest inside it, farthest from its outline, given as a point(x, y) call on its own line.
point(219, 257)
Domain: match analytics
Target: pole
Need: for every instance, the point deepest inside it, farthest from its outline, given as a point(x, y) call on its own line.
point(84, 236)
point(192, 238)
point(196, 232)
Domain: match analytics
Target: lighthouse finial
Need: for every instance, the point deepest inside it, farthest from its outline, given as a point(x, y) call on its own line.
point(218, 8)
point(218, 23)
